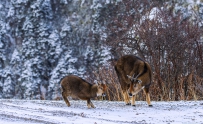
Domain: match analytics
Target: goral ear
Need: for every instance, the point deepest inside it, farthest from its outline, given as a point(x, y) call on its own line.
point(103, 82)
point(131, 78)
point(105, 87)
point(96, 82)
point(99, 83)
point(139, 81)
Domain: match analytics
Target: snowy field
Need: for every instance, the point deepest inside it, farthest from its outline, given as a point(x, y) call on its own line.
point(106, 112)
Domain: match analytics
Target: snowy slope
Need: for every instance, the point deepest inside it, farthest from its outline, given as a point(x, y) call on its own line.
point(106, 112)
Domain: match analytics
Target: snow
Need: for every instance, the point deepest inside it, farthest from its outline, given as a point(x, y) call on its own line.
point(106, 112)
point(11, 12)
point(153, 13)
point(27, 24)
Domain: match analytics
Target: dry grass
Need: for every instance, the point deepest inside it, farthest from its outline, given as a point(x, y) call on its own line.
point(108, 76)
point(184, 88)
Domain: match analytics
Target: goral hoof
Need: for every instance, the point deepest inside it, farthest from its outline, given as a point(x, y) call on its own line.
point(128, 104)
point(150, 105)
point(133, 105)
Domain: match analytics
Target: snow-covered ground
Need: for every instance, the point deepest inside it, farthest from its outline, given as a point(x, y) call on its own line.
point(106, 112)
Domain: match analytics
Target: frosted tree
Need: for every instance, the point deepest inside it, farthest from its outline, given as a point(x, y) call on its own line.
point(2, 66)
point(7, 46)
point(35, 49)
point(30, 70)
point(16, 67)
point(8, 87)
